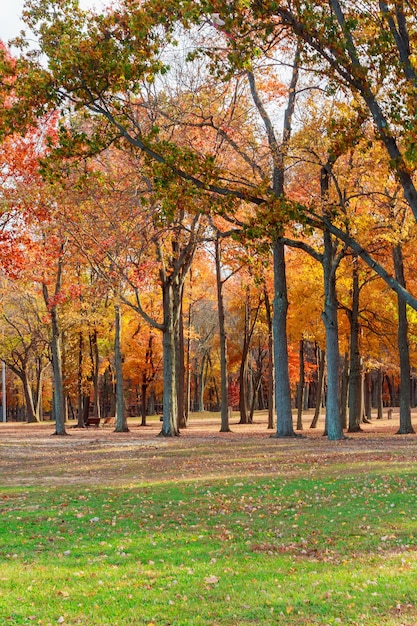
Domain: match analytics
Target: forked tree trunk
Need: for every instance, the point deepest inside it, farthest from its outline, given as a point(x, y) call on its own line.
point(285, 426)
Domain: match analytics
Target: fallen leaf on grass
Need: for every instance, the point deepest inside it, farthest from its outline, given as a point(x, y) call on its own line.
point(211, 580)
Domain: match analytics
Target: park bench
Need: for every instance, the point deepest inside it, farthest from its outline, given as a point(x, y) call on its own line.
point(92, 421)
point(95, 421)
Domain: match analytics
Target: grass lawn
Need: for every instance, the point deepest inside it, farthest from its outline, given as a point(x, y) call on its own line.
point(106, 529)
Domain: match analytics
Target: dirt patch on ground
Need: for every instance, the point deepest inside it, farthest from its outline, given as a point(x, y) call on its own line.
point(31, 455)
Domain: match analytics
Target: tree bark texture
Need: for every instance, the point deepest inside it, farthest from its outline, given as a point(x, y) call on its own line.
point(121, 422)
point(270, 360)
point(355, 375)
point(403, 348)
point(301, 384)
point(59, 400)
point(224, 384)
point(285, 426)
point(329, 315)
point(320, 384)
point(170, 411)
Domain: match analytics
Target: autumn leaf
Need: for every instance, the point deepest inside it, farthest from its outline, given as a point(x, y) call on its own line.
point(211, 580)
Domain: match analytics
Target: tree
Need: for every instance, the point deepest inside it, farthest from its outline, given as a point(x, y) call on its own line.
point(104, 80)
point(52, 302)
point(142, 358)
point(24, 342)
point(122, 222)
point(371, 53)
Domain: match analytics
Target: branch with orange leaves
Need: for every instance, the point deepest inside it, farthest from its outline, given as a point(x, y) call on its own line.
point(324, 223)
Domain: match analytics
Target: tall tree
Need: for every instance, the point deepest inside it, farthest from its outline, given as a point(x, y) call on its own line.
point(24, 341)
point(109, 90)
point(370, 51)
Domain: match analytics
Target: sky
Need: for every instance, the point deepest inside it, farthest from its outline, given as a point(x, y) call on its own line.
point(10, 24)
point(10, 11)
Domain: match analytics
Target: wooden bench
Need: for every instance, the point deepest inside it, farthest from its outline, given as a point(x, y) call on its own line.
point(95, 421)
point(92, 421)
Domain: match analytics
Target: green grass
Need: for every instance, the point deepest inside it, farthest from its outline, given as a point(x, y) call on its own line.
point(335, 549)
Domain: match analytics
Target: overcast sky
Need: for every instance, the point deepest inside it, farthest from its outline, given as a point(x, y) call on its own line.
point(10, 11)
point(9, 19)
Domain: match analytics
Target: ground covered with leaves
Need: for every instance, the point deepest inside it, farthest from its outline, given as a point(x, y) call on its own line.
point(208, 528)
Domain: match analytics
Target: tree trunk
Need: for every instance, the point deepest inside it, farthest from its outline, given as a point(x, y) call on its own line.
point(121, 422)
point(31, 416)
point(333, 423)
point(95, 359)
point(367, 396)
point(243, 369)
point(201, 380)
point(59, 399)
point(379, 403)
point(300, 390)
point(256, 383)
point(80, 414)
point(187, 390)
point(391, 391)
point(403, 348)
point(355, 374)
point(170, 409)
point(243, 391)
point(320, 384)
point(144, 394)
point(148, 376)
point(329, 315)
point(285, 426)
point(270, 361)
point(58, 385)
point(224, 384)
point(344, 390)
point(180, 370)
